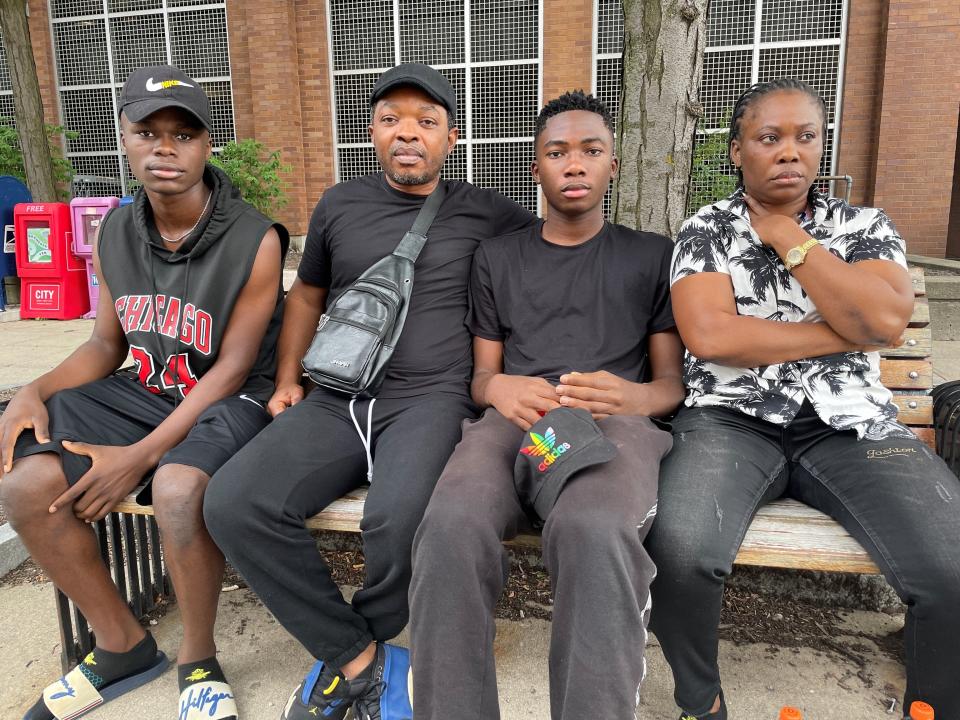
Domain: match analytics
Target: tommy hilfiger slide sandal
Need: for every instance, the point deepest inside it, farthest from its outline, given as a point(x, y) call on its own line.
point(74, 695)
point(206, 700)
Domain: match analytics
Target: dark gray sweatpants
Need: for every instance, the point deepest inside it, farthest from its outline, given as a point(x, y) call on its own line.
point(592, 547)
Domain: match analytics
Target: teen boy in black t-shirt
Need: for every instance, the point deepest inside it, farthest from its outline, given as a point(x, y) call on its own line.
point(583, 303)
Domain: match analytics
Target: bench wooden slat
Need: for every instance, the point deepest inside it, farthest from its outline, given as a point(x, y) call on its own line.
point(921, 313)
point(784, 534)
point(789, 534)
point(914, 409)
point(918, 343)
point(896, 374)
point(927, 435)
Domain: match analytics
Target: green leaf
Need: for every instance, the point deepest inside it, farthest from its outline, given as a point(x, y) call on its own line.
point(255, 173)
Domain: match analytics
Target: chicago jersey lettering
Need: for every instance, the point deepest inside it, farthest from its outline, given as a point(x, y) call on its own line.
point(140, 313)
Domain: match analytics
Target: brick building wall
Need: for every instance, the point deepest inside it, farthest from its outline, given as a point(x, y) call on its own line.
point(862, 96)
point(918, 120)
point(567, 46)
point(39, 22)
point(270, 93)
point(281, 94)
point(316, 105)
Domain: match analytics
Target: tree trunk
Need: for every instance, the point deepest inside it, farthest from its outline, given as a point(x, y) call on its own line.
point(27, 105)
point(663, 42)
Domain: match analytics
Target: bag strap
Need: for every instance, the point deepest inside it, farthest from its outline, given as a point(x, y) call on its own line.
point(416, 237)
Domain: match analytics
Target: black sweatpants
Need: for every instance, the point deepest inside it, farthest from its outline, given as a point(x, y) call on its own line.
point(592, 547)
point(309, 456)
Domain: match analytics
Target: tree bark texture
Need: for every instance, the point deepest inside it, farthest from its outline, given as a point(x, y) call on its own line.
point(663, 43)
point(27, 104)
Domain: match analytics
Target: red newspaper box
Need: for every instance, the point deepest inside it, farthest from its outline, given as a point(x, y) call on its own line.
point(86, 214)
point(54, 280)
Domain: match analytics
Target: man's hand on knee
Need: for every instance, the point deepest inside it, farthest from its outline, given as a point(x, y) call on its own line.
point(115, 472)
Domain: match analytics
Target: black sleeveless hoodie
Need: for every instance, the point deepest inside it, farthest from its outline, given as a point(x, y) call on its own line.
point(174, 306)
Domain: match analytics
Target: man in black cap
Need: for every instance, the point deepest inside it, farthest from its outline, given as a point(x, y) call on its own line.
point(322, 446)
point(190, 284)
point(571, 318)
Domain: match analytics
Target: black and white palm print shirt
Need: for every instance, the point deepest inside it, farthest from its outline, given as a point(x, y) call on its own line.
point(844, 388)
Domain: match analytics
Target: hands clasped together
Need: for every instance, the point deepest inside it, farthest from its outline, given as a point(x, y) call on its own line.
point(524, 400)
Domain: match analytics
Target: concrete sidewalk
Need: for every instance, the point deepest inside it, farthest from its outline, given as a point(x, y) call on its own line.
point(264, 666)
point(29, 348)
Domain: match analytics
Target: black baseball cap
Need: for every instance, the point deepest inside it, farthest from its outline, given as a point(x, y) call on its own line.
point(419, 75)
point(156, 87)
point(562, 443)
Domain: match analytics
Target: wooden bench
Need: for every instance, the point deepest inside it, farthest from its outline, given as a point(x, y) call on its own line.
point(784, 534)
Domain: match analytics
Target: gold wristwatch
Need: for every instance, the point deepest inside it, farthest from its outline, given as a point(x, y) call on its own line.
point(796, 255)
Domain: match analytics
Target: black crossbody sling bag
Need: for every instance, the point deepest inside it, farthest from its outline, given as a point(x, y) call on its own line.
point(357, 335)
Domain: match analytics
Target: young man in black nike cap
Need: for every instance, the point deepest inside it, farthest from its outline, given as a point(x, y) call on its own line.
point(190, 285)
point(571, 318)
point(322, 446)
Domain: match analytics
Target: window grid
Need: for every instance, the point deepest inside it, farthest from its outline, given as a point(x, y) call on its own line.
point(98, 43)
point(6, 85)
point(796, 38)
point(6, 90)
point(489, 50)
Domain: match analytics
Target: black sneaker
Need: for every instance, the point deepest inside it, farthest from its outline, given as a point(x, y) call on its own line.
point(720, 714)
point(387, 695)
point(322, 694)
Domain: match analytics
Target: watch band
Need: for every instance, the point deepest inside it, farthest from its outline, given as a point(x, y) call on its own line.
point(801, 251)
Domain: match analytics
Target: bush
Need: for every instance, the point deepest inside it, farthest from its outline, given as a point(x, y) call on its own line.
point(711, 176)
point(11, 155)
point(256, 177)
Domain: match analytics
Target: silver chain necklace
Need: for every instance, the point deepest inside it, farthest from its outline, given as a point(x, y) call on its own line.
point(202, 213)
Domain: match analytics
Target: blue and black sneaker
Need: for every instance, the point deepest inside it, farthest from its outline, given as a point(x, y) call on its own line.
point(323, 693)
point(382, 692)
point(387, 696)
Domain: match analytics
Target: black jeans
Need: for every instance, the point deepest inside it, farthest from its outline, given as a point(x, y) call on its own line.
point(896, 497)
point(310, 455)
point(592, 547)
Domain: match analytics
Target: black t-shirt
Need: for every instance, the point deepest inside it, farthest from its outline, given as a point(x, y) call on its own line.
point(358, 222)
point(580, 308)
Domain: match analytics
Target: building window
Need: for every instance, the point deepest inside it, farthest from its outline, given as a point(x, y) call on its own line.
point(98, 43)
point(489, 50)
point(748, 41)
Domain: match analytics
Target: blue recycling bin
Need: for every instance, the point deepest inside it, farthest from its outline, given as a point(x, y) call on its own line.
point(12, 191)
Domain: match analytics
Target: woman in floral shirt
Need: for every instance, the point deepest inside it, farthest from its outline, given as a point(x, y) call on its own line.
point(783, 298)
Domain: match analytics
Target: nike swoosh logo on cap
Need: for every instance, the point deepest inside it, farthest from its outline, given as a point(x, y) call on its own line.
point(155, 86)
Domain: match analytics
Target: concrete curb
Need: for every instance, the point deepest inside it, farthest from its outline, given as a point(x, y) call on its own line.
point(941, 263)
point(12, 551)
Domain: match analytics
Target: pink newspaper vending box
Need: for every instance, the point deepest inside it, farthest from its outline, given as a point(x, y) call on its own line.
point(86, 213)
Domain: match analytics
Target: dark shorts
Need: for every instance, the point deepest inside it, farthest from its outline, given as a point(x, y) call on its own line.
point(119, 411)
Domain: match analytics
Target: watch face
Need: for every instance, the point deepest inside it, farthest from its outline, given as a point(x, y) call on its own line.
point(794, 256)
